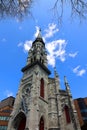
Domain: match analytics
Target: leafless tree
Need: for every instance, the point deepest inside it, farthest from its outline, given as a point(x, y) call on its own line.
point(76, 7)
point(19, 8)
point(14, 8)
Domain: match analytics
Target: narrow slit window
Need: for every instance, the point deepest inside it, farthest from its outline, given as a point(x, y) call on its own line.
point(41, 124)
point(42, 88)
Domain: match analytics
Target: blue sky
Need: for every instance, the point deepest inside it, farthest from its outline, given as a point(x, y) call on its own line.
point(66, 46)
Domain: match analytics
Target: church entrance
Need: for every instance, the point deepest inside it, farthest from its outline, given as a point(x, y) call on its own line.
point(41, 125)
point(22, 124)
point(20, 121)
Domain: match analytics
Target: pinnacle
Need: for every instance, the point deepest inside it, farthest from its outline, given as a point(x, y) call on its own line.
point(65, 79)
point(55, 72)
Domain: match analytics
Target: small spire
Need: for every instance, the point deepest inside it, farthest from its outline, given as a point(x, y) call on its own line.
point(55, 72)
point(67, 85)
point(65, 80)
point(39, 33)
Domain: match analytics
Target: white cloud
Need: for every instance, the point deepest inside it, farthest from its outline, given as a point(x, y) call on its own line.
point(37, 31)
point(73, 55)
point(8, 93)
point(78, 71)
point(20, 44)
point(52, 29)
point(51, 59)
point(56, 49)
point(27, 45)
point(81, 72)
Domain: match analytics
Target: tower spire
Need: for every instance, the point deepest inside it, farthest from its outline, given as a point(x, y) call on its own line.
point(39, 33)
point(37, 54)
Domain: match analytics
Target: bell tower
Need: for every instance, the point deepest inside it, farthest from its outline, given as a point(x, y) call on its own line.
point(40, 104)
point(30, 110)
point(38, 51)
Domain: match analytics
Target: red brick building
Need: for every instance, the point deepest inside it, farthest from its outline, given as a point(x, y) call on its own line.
point(81, 107)
point(6, 107)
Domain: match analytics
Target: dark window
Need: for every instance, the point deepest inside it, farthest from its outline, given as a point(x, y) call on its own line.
point(22, 124)
point(40, 59)
point(67, 114)
point(31, 60)
point(12, 102)
point(42, 88)
point(84, 114)
point(3, 127)
point(41, 124)
point(42, 54)
point(81, 103)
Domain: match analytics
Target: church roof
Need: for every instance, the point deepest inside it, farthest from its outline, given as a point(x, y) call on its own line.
point(7, 102)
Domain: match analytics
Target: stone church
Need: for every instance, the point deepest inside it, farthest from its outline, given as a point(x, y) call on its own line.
point(40, 104)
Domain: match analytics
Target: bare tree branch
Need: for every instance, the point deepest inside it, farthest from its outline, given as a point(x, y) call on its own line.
point(78, 8)
point(21, 8)
point(14, 8)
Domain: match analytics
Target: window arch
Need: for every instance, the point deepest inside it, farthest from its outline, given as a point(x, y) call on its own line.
point(42, 87)
point(67, 114)
point(41, 124)
point(19, 123)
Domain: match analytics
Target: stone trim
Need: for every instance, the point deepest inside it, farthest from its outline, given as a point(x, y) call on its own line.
point(43, 99)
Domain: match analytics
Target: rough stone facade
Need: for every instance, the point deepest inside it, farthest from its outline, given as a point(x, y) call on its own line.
point(40, 104)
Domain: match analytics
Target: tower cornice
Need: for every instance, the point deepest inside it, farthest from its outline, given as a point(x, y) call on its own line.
point(36, 63)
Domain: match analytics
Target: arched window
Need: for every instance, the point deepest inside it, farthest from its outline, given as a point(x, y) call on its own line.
point(19, 122)
point(41, 124)
point(67, 114)
point(42, 88)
